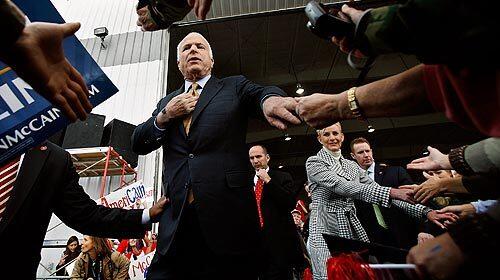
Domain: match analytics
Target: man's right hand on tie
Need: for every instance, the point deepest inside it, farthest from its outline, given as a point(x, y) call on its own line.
point(263, 175)
point(181, 105)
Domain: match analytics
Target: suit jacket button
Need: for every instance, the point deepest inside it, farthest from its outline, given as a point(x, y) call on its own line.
point(191, 156)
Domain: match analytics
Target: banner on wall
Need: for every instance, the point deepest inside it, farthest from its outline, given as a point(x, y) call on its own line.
point(133, 196)
point(26, 118)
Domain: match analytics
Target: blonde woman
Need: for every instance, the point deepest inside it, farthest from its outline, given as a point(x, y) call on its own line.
point(335, 183)
point(98, 262)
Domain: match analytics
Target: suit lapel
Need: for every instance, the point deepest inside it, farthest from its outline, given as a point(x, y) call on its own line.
point(336, 166)
point(179, 91)
point(31, 166)
point(180, 126)
point(379, 173)
point(212, 87)
point(272, 175)
point(250, 179)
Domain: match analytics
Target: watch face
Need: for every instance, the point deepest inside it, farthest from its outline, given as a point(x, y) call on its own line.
point(352, 104)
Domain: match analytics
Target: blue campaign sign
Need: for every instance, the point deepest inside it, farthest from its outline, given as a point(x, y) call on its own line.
point(26, 118)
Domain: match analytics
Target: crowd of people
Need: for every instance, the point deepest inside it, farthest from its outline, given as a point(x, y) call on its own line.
point(216, 219)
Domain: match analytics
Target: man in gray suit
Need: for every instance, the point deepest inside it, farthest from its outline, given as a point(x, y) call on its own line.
point(335, 183)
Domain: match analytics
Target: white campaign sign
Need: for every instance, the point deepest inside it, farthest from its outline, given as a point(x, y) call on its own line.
point(134, 196)
point(138, 267)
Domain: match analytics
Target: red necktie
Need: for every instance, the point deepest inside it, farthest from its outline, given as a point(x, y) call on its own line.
point(258, 195)
point(8, 174)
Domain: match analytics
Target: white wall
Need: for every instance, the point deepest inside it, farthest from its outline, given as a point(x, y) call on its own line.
point(118, 16)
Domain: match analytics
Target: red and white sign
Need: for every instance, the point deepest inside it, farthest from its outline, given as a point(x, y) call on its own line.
point(134, 196)
point(138, 267)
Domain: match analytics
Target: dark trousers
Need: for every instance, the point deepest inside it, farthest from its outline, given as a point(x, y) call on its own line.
point(189, 257)
point(272, 263)
point(276, 272)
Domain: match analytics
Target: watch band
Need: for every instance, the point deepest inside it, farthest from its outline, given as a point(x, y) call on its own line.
point(353, 103)
point(457, 161)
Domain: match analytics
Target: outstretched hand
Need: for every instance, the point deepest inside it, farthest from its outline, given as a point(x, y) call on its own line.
point(200, 7)
point(145, 21)
point(429, 189)
point(279, 111)
point(442, 219)
point(38, 58)
point(462, 210)
point(404, 194)
point(320, 110)
point(434, 161)
point(438, 258)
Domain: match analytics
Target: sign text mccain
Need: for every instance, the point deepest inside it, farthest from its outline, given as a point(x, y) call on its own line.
point(18, 96)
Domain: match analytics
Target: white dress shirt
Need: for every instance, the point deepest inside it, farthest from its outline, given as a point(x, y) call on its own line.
point(371, 171)
point(201, 83)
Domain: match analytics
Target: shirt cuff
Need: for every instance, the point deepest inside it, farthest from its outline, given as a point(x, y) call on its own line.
point(145, 217)
point(482, 206)
point(157, 127)
point(426, 211)
point(266, 97)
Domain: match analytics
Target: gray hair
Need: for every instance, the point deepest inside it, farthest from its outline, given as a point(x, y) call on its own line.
point(182, 41)
point(320, 131)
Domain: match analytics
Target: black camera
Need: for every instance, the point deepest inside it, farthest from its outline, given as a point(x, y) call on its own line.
point(326, 25)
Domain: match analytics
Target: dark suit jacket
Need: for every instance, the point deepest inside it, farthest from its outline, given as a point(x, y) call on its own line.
point(281, 243)
point(48, 183)
point(212, 161)
point(402, 229)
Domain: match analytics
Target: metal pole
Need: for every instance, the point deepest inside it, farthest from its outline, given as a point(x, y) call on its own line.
point(103, 183)
point(122, 178)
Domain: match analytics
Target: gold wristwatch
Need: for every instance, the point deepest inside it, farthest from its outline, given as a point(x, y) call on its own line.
point(353, 103)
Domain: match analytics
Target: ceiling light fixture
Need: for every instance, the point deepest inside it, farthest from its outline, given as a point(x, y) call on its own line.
point(287, 137)
point(300, 90)
point(281, 166)
point(370, 128)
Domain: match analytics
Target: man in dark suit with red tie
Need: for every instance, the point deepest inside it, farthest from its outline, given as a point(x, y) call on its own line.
point(43, 182)
point(275, 195)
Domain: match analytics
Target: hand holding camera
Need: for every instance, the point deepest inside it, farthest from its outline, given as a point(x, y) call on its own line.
point(327, 25)
point(339, 27)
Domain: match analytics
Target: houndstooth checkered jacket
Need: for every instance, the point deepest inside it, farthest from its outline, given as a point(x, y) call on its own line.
point(334, 186)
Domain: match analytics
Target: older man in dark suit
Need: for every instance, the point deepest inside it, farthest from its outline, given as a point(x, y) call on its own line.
point(210, 229)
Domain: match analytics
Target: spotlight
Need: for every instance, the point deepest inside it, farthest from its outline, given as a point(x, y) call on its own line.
point(287, 137)
point(300, 90)
point(370, 129)
point(281, 166)
point(101, 32)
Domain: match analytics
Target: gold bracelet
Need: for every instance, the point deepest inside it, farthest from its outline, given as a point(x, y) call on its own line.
point(353, 103)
